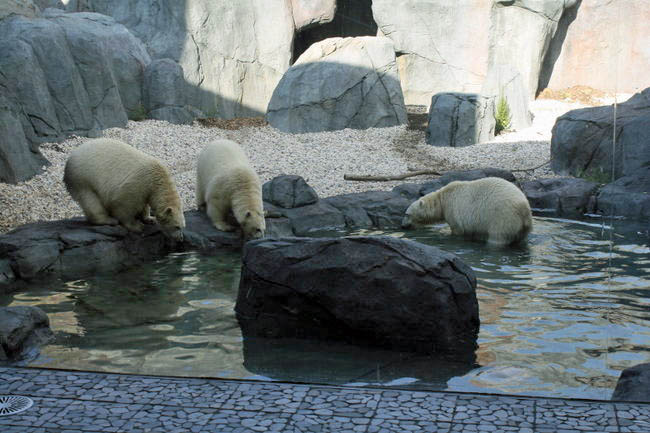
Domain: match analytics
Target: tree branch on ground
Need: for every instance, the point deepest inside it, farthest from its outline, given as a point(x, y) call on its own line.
point(362, 178)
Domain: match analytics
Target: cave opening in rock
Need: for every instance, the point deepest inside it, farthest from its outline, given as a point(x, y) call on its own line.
point(352, 18)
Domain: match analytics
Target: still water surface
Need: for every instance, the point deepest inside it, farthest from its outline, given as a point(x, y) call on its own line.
point(561, 317)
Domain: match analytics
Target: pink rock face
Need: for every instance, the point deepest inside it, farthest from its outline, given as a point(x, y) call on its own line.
point(607, 47)
point(307, 13)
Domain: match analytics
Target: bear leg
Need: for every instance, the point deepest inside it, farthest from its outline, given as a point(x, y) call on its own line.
point(218, 216)
point(128, 219)
point(146, 216)
point(94, 209)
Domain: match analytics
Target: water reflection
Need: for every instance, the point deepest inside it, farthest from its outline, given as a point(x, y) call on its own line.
point(561, 316)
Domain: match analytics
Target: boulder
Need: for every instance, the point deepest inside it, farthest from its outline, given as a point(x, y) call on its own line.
point(460, 119)
point(562, 196)
point(361, 89)
point(233, 53)
point(436, 52)
point(521, 32)
point(17, 160)
point(288, 192)
point(628, 196)
point(581, 144)
point(633, 384)
point(604, 45)
point(23, 330)
point(379, 291)
point(74, 248)
point(18, 7)
point(308, 13)
point(165, 92)
point(85, 74)
point(380, 209)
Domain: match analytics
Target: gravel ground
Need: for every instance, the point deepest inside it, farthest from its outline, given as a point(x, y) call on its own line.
point(320, 158)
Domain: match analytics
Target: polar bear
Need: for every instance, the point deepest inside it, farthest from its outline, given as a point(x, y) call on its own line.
point(226, 181)
point(490, 209)
point(115, 183)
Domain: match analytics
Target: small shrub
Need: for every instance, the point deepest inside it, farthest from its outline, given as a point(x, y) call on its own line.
point(138, 113)
point(502, 116)
point(596, 176)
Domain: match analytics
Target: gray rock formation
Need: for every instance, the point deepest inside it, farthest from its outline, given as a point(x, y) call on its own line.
point(379, 291)
point(23, 330)
point(582, 145)
point(73, 248)
point(18, 7)
point(437, 51)
point(521, 31)
point(288, 192)
point(561, 196)
point(165, 92)
point(85, 74)
point(339, 83)
point(633, 384)
point(628, 196)
point(604, 45)
point(233, 53)
point(460, 119)
point(18, 159)
point(308, 13)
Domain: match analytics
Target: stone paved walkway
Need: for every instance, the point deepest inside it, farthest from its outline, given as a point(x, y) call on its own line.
point(67, 402)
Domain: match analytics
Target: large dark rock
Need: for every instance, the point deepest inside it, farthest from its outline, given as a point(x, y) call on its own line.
point(74, 248)
point(628, 196)
point(380, 209)
point(288, 191)
point(23, 330)
point(633, 384)
point(566, 196)
point(379, 291)
point(340, 83)
point(84, 74)
point(460, 119)
point(581, 145)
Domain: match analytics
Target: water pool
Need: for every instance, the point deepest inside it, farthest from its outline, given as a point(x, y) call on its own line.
point(561, 317)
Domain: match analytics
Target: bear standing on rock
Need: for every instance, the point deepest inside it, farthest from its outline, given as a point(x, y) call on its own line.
point(114, 182)
point(489, 209)
point(225, 182)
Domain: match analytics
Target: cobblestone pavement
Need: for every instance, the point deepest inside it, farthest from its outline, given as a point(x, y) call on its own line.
point(71, 402)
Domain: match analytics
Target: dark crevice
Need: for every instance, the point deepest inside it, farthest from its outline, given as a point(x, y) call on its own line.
point(555, 46)
point(352, 18)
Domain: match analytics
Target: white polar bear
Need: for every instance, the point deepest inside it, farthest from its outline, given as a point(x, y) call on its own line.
point(225, 182)
point(490, 209)
point(115, 183)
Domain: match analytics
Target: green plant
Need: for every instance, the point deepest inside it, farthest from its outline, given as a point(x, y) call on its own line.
point(502, 116)
point(596, 176)
point(138, 113)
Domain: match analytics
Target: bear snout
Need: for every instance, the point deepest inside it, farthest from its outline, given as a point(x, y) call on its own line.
point(406, 222)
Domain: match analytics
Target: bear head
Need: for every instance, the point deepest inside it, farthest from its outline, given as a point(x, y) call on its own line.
point(425, 210)
point(172, 222)
point(253, 225)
